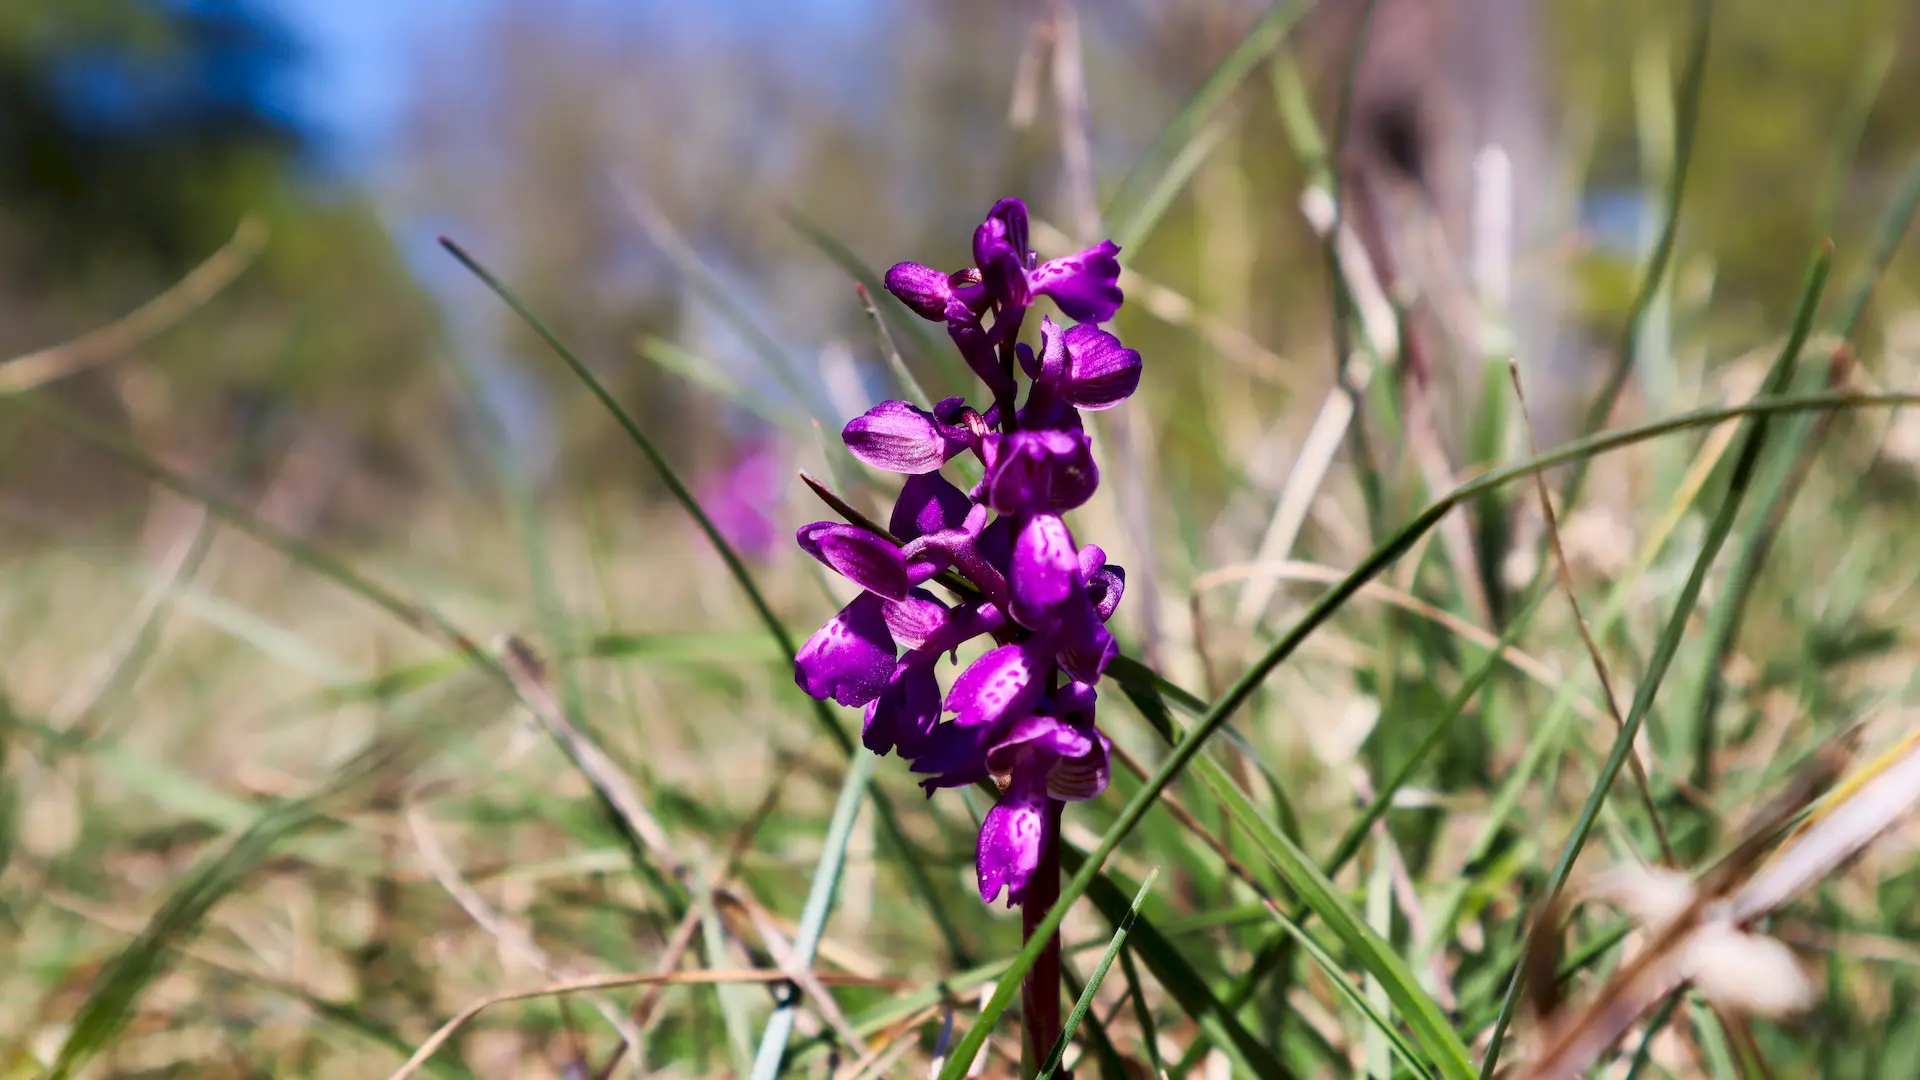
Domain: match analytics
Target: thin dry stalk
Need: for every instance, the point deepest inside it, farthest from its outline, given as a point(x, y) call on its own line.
point(524, 668)
point(1175, 308)
point(1303, 484)
point(202, 283)
point(885, 1054)
point(1564, 571)
point(1293, 570)
point(781, 950)
point(613, 982)
point(511, 936)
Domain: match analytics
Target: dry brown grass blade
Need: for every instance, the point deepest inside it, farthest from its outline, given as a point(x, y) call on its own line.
point(523, 667)
point(1564, 571)
point(511, 936)
point(1296, 570)
point(1855, 813)
point(1573, 1046)
point(202, 283)
point(781, 950)
point(893, 1045)
point(614, 982)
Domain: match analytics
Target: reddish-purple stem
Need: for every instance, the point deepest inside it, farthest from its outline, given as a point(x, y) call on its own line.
point(1040, 993)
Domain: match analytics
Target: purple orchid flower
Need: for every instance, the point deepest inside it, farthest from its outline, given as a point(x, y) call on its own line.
point(1019, 715)
point(1004, 280)
point(737, 499)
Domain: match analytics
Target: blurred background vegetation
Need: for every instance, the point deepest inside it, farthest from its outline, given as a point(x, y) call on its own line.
point(636, 170)
point(138, 133)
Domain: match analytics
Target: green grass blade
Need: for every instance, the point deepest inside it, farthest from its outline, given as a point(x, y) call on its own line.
point(1140, 224)
point(823, 716)
point(681, 493)
point(709, 376)
point(1081, 1006)
point(1430, 1026)
point(1343, 984)
point(901, 321)
point(115, 990)
point(902, 374)
point(1319, 613)
point(1668, 644)
point(1786, 469)
point(1177, 974)
point(1692, 79)
point(1143, 1016)
point(813, 917)
point(1131, 199)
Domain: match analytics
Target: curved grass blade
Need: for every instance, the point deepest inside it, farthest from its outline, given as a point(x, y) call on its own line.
point(823, 717)
point(1338, 977)
point(813, 917)
point(1777, 490)
point(709, 376)
point(1132, 199)
point(1177, 975)
point(668, 476)
point(1745, 462)
point(1143, 1016)
point(1320, 612)
point(1081, 1006)
point(118, 986)
point(908, 325)
point(1687, 125)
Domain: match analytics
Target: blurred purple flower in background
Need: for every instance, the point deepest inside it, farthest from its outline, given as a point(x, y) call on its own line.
point(1022, 713)
point(741, 498)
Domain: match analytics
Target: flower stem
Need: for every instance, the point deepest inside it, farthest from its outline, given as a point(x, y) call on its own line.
point(1040, 993)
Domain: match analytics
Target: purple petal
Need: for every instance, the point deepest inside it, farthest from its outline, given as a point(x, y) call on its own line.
point(976, 347)
point(1101, 372)
point(963, 624)
point(1086, 285)
point(1105, 588)
point(1054, 352)
point(1000, 251)
point(1092, 558)
point(1045, 571)
point(906, 711)
point(1075, 697)
point(869, 561)
point(921, 288)
point(851, 658)
point(899, 437)
point(1083, 776)
point(914, 620)
point(1085, 647)
point(928, 503)
point(1039, 471)
point(1049, 737)
point(1004, 682)
point(955, 755)
point(1011, 839)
